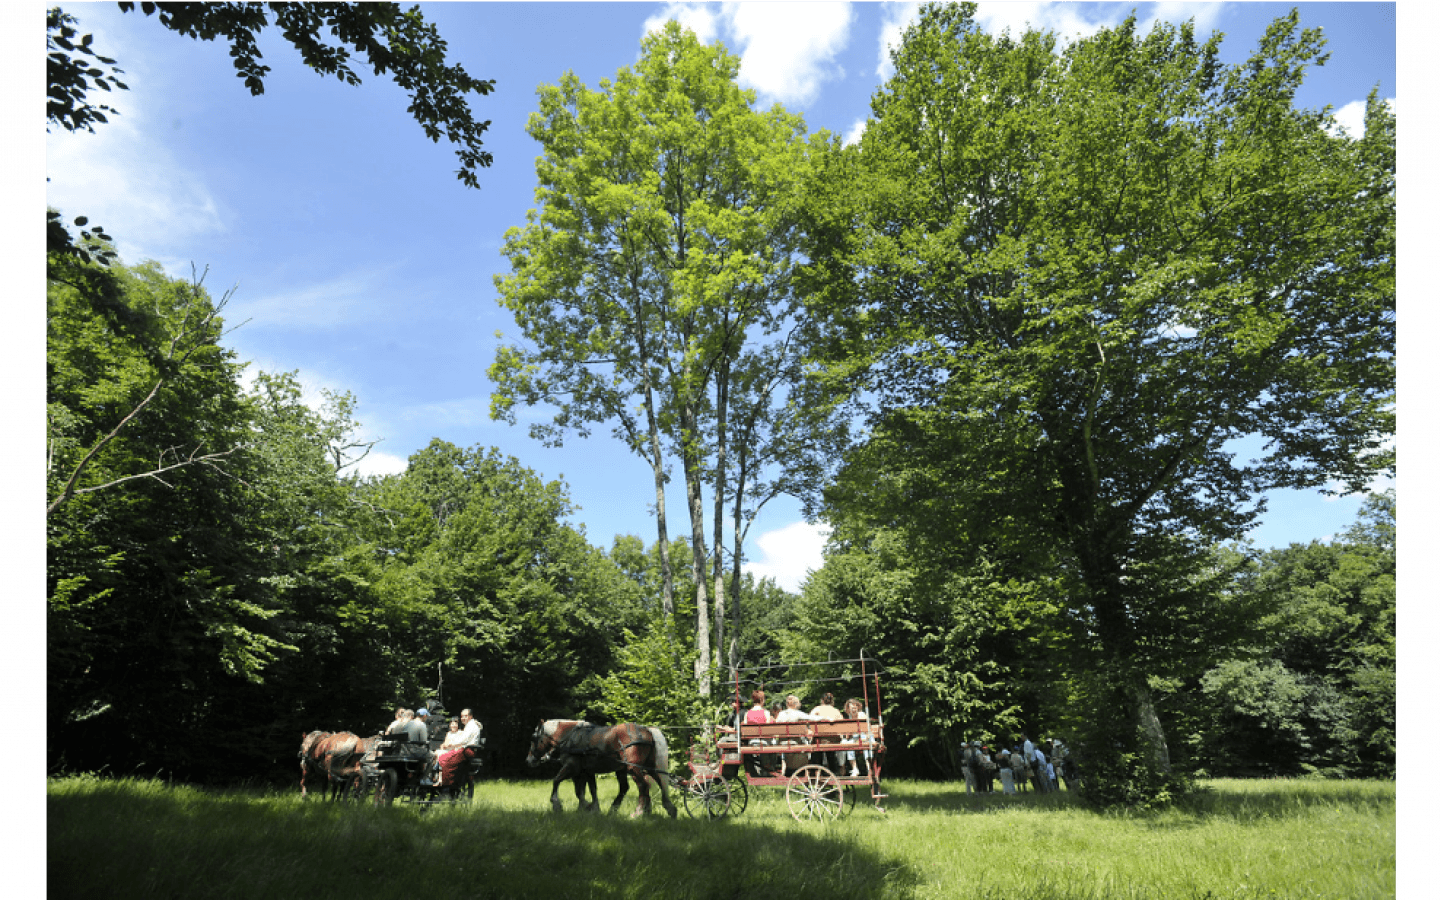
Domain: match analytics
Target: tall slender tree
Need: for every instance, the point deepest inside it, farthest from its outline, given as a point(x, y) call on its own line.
point(663, 241)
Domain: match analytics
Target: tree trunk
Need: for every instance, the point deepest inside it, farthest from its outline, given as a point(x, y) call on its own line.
point(722, 389)
point(690, 456)
point(657, 464)
point(1150, 724)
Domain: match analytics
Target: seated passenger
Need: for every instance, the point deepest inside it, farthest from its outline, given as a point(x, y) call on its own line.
point(470, 740)
point(399, 722)
point(759, 765)
point(757, 715)
point(793, 713)
point(826, 712)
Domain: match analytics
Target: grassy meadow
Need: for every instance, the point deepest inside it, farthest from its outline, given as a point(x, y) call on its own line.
point(1237, 839)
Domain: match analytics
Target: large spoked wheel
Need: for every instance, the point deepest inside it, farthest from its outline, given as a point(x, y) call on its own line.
point(388, 786)
point(814, 793)
point(708, 796)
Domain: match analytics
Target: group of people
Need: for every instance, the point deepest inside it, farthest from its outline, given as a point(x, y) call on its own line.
point(789, 710)
point(1023, 765)
point(461, 743)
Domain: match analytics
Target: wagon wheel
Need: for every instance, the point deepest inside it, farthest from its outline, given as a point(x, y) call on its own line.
point(739, 795)
point(814, 793)
point(709, 795)
point(387, 787)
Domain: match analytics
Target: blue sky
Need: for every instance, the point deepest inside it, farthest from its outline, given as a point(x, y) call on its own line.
point(359, 260)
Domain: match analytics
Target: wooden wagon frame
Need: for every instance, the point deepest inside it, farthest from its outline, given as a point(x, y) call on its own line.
point(804, 757)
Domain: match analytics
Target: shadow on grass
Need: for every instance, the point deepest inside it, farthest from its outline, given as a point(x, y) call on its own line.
point(143, 839)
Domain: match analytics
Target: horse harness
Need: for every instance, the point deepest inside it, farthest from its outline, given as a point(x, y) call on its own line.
point(584, 739)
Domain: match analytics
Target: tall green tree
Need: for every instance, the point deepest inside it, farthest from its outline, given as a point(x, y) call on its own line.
point(477, 573)
point(1313, 689)
point(1085, 272)
point(663, 240)
point(158, 608)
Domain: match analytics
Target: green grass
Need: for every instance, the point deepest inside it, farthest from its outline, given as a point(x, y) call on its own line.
point(1238, 839)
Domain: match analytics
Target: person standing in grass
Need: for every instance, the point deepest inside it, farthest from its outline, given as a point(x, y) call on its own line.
point(1007, 774)
point(967, 764)
point(1042, 774)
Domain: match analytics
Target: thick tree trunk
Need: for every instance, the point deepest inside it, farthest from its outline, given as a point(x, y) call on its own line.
point(1150, 725)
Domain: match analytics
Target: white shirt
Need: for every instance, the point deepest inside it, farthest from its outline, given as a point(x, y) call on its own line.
point(471, 734)
point(794, 715)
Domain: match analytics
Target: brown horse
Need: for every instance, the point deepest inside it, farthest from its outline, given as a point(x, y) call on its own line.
point(629, 750)
point(335, 755)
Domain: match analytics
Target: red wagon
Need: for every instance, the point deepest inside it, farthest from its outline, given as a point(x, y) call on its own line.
point(811, 760)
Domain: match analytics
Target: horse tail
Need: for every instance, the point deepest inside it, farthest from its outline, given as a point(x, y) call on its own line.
point(662, 755)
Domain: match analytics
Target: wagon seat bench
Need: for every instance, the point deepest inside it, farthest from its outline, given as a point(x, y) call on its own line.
point(816, 737)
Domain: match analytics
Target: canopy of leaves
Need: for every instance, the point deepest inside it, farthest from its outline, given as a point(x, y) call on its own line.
point(1070, 279)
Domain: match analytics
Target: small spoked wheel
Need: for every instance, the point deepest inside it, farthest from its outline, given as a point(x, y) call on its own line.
point(708, 795)
point(814, 793)
point(388, 786)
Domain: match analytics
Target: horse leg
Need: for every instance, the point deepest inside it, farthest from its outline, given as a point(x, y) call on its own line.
point(581, 779)
point(560, 776)
point(642, 784)
point(663, 780)
point(588, 781)
point(624, 781)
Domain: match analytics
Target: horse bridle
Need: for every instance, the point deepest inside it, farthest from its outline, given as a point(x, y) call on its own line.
point(552, 744)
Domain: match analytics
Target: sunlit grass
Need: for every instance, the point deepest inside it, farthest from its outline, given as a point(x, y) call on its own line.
point(1238, 839)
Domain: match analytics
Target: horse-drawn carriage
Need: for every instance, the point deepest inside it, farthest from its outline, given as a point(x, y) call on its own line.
point(401, 769)
point(811, 760)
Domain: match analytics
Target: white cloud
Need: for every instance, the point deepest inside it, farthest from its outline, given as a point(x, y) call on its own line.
point(790, 554)
point(1175, 12)
point(698, 17)
point(376, 463)
point(853, 135)
point(122, 179)
point(1350, 118)
point(1064, 19)
point(343, 301)
point(1067, 20)
point(787, 49)
point(894, 20)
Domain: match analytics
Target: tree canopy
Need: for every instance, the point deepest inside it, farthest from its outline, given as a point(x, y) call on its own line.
point(1071, 279)
point(664, 241)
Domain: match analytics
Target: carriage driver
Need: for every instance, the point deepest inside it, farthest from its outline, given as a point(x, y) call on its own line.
point(470, 745)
